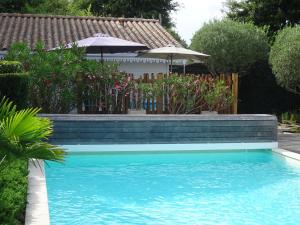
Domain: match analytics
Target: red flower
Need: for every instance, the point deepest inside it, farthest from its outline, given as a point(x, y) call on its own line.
point(47, 83)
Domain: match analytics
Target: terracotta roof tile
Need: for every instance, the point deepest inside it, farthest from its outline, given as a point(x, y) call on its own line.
point(56, 30)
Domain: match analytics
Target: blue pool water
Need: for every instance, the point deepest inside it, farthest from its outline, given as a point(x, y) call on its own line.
point(174, 188)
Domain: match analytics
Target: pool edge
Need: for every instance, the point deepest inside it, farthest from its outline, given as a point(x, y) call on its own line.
point(287, 153)
point(37, 209)
point(106, 148)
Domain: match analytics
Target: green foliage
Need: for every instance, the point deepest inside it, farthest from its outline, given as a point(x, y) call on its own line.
point(15, 86)
point(217, 95)
point(80, 8)
point(285, 58)
point(136, 8)
point(52, 79)
point(13, 83)
point(290, 122)
point(13, 192)
point(189, 94)
point(52, 75)
point(232, 46)
point(289, 118)
point(23, 135)
point(19, 51)
point(275, 14)
point(58, 7)
point(181, 92)
point(54, 7)
point(12, 6)
point(115, 8)
point(10, 67)
point(58, 79)
point(101, 87)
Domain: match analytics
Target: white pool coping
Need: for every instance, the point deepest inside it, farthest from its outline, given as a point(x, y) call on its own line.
point(287, 154)
point(37, 210)
point(168, 147)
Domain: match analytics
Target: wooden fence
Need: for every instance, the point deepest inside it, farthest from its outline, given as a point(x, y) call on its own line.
point(135, 100)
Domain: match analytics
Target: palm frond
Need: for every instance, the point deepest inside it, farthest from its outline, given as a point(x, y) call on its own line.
point(40, 150)
point(45, 151)
point(9, 149)
point(6, 108)
point(23, 135)
point(26, 127)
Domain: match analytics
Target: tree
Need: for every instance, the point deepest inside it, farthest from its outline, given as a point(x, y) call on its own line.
point(55, 7)
point(115, 8)
point(59, 7)
point(136, 8)
point(285, 58)
point(275, 14)
point(15, 6)
point(232, 46)
point(22, 135)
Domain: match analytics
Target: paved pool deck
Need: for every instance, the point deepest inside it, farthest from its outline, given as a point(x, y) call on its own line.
point(290, 142)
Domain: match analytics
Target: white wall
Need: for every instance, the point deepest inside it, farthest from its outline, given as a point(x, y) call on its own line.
point(138, 68)
point(130, 63)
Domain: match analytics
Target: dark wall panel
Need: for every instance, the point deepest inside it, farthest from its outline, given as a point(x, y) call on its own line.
point(162, 129)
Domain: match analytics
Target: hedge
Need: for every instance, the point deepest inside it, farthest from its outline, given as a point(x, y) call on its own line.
point(13, 192)
point(15, 87)
point(10, 67)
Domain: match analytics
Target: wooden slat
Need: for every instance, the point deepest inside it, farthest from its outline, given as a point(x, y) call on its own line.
point(235, 92)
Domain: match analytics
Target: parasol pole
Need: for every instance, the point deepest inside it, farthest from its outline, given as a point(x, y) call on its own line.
point(101, 52)
point(171, 63)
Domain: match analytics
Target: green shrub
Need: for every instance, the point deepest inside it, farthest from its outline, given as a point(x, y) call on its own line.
point(103, 85)
point(290, 117)
point(15, 87)
point(189, 94)
point(217, 95)
point(232, 46)
point(10, 66)
point(19, 51)
point(52, 75)
point(285, 58)
point(13, 192)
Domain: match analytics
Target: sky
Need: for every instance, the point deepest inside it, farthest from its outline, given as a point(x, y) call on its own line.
point(192, 14)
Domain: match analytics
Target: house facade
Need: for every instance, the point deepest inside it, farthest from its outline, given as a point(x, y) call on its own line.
point(57, 30)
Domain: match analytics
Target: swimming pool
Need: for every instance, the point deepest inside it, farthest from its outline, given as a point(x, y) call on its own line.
point(239, 187)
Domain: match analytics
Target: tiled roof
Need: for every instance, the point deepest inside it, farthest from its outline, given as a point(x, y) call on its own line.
point(56, 30)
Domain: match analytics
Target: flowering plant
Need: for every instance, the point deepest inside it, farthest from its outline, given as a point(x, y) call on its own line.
point(52, 74)
point(102, 88)
point(189, 93)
